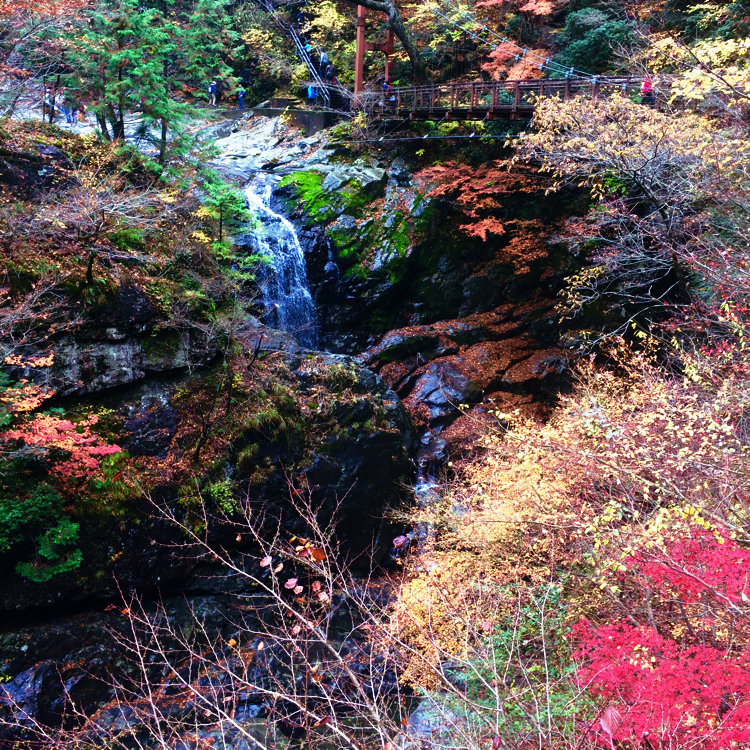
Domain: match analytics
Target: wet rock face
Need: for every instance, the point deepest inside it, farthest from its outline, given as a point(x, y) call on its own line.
point(455, 376)
point(150, 428)
point(64, 661)
point(363, 458)
point(120, 342)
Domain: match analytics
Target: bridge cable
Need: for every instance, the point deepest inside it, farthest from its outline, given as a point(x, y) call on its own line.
point(422, 138)
point(544, 62)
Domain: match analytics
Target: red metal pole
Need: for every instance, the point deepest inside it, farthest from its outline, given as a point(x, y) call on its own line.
point(359, 62)
point(388, 52)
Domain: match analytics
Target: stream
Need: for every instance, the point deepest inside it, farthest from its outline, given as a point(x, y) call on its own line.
point(283, 281)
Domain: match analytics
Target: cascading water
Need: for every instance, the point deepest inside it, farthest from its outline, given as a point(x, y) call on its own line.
point(286, 293)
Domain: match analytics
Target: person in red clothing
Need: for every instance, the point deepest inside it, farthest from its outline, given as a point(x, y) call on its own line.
point(647, 92)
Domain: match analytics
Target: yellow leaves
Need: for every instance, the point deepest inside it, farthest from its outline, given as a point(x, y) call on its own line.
point(201, 236)
point(16, 360)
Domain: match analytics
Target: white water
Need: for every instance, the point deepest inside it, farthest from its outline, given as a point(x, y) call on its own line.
point(286, 293)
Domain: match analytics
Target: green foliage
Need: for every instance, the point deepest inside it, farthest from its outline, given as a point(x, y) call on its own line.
point(22, 520)
point(224, 203)
point(111, 491)
point(20, 516)
point(221, 493)
point(127, 57)
point(591, 37)
point(55, 553)
point(127, 238)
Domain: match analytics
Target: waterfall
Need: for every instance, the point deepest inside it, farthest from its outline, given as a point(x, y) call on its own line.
point(286, 293)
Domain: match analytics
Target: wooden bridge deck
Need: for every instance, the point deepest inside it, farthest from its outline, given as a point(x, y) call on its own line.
point(482, 100)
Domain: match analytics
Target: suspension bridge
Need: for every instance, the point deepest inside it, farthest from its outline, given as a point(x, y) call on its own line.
point(483, 100)
point(458, 100)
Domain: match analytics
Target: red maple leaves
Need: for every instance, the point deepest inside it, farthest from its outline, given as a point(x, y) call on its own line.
point(683, 681)
point(47, 432)
point(474, 191)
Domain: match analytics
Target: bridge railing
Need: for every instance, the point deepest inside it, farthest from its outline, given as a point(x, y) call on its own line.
point(506, 97)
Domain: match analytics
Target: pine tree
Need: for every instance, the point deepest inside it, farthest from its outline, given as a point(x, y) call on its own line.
point(127, 58)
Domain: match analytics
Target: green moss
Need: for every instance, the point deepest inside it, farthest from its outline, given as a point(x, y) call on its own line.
point(321, 205)
point(161, 345)
point(308, 187)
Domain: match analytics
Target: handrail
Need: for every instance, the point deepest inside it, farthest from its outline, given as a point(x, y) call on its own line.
point(301, 51)
point(489, 96)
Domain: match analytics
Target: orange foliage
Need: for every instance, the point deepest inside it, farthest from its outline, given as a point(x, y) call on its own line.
point(474, 191)
point(47, 432)
point(46, 8)
point(504, 65)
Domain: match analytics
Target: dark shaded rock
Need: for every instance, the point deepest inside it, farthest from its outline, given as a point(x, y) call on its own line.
point(128, 309)
point(31, 695)
point(540, 365)
point(150, 428)
point(398, 346)
point(441, 388)
point(437, 368)
point(32, 174)
point(400, 173)
point(85, 365)
point(47, 691)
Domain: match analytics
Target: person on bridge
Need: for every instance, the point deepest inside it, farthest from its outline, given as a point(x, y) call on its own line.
point(241, 97)
point(324, 61)
point(212, 89)
point(330, 72)
point(647, 92)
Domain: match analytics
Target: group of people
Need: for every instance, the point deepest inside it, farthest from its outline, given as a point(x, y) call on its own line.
point(215, 94)
point(62, 100)
point(326, 69)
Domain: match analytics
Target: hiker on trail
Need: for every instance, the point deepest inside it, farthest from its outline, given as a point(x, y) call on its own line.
point(212, 88)
point(64, 104)
point(312, 95)
point(324, 61)
point(49, 101)
point(647, 92)
point(388, 94)
point(241, 97)
point(70, 107)
point(330, 72)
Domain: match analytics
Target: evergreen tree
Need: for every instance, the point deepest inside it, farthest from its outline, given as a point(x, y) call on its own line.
point(129, 58)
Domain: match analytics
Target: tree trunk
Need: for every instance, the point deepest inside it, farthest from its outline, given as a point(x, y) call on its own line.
point(90, 267)
point(163, 143)
point(102, 120)
point(396, 22)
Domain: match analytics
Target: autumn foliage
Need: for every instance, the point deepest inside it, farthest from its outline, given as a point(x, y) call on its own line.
point(683, 678)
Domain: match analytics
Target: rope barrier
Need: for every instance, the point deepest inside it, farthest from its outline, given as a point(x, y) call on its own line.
point(422, 138)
